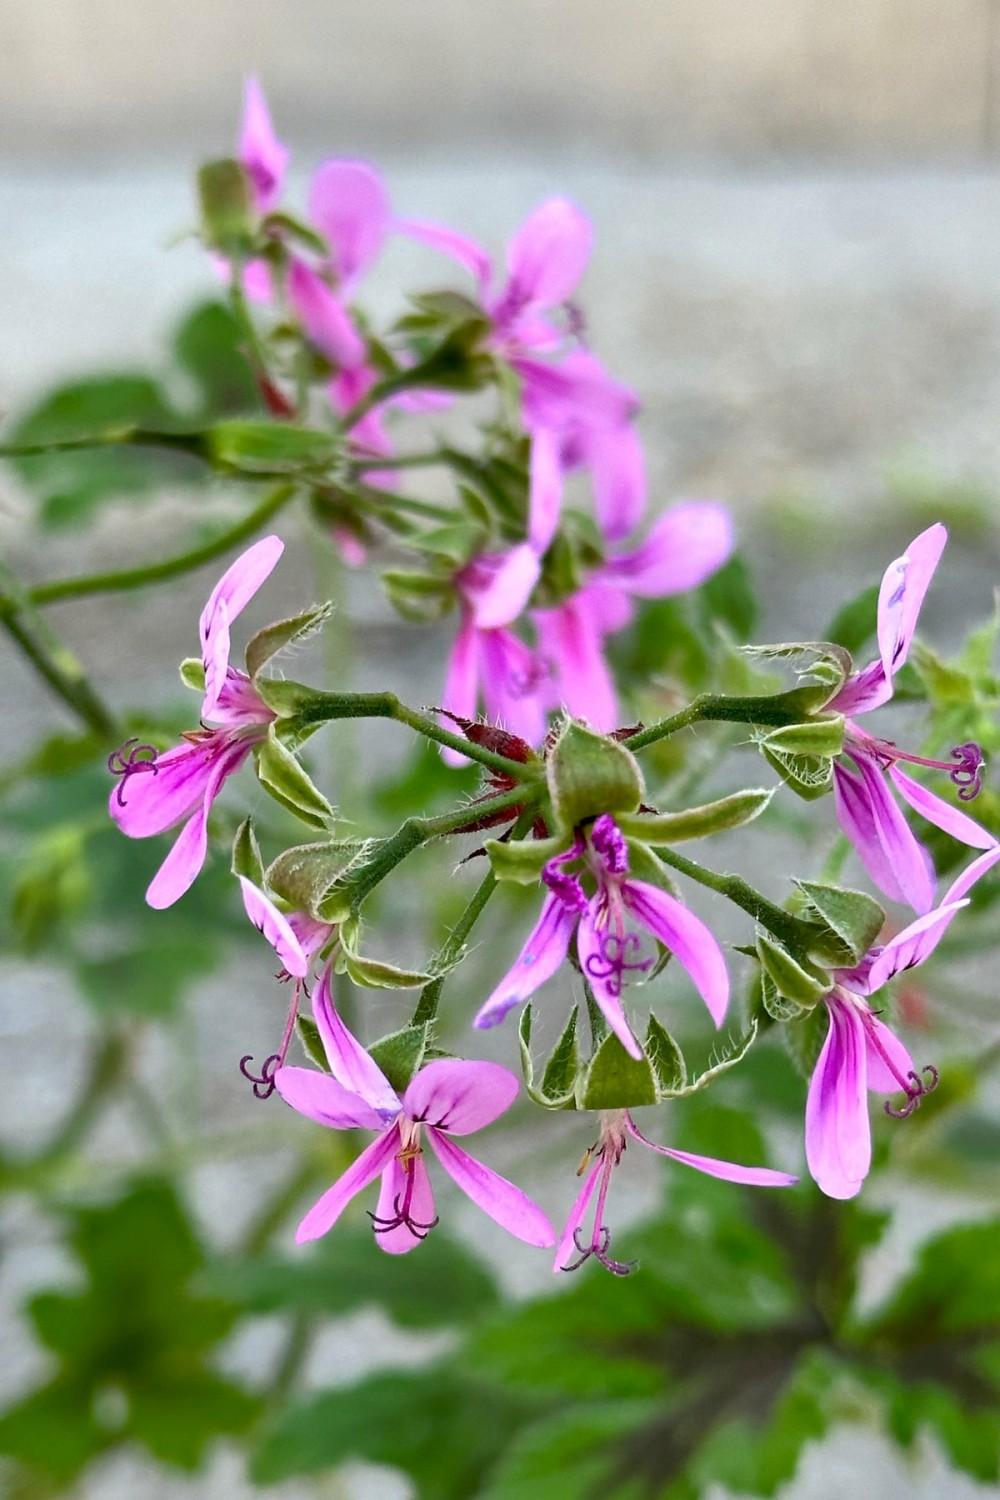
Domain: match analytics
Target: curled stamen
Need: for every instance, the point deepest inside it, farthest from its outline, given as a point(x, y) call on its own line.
point(402, 1216)
point(616, 959)
point(131, 759)
point(915, 1088)
point(968, 773)
point(598, 1248)
point(263, 1083)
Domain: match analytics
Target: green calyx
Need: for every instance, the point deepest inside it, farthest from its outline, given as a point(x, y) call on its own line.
point(590, 774)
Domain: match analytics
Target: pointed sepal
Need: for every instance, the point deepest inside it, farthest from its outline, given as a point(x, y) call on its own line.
point(614, 1080)
point(590, 774)
point(284, 634)
point(697, 822)
point(282, 775)
point(246, 858)
point(401, 1054)
point(846, 923)
point(557, 1087)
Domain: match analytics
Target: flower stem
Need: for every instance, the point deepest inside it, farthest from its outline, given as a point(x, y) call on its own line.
point(734, 888)
point(771, 709)
point(158, 572)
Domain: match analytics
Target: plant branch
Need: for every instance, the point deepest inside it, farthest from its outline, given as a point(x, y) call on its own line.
point(735, 889)
point(773, 709)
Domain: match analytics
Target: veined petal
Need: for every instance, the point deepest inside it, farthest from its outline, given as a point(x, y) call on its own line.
point(548, 255)
point(276, 928)
point(349, 205)
point(905, 855)
point(321, 1098)
point(461, 684)
point(975, 871)
point(459, 1096)
point(688, 939)
point(513, 680)
point(571, 640)
point(324, 317)
point(855, 817)
point(227, 600)
point(862, 692)
point(881, 1078)
point(545, 489)
point(410, 1233)
point(942, 814)
point(728, 1171)
point(838, 1133)
point(604, 980)
point(538, 960)
point(459, 247)
point(500, 1199)
point(618, 472)
point(561, 395)
point(687, 544)
point(261, 154)
point(153, 801)
point(567, 1248)
point(327, 1210)
point(350, 1064)
point(913, 946)
point(904, 584)
point(501, 599)
point(182, 865)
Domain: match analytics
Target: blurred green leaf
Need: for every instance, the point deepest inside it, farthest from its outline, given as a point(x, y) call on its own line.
point(853, 626)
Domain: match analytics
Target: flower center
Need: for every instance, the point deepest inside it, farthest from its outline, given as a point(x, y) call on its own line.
point(402, 1205)
point(609, 1149)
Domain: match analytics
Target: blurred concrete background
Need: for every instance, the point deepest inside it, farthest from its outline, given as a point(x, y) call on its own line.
point(797, 266)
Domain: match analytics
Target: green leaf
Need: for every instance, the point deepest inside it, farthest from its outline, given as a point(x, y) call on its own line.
point(418, 596)
point(729, 598)
point(285, 633)
point(573, 1455)
point(823, 735)
point(666, 1059)
point(312, 1041)
point(725, 1055)
point(853, 626)
point(281, 774)
point(589, 774)
point(246, 859)
point(374, 973)
point(849, 921)
point(809, 776)
point(697, 822)
point(614, 1080)
point(208, 345)
point(400, 1055)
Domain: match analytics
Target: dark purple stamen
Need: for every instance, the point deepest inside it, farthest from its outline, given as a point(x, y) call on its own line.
point(598, 1248)
point(968, 773)
point(915, 1087)
point(263, 1083)
point(608, 841)
point(131, 759)
point(576, 322)
point(402, 1216)
point(616, 959)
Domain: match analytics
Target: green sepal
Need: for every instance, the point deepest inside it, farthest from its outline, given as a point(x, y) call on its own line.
point(246, 858)
point(192, 670)
point(312, 1041)
point(291, 632)
point(665, 1058)
point(697, 822)
point(456, 543)
point(558, 1083)
point(271, 447)
point(458, 362)
point(809, 776)
point(822, 668)
point(227, 215)
point(644, 865)
point(804, 1038)
point(590, 774)
point(309, 876)
point(374, 973)
point(802, 983)
point(418, 596)
point(823, 735)
point(280, 774)
point(776, 1006)
point(286, 699)
point(726, 1057)
point(522, 860)
point(613, 1080)
point(847, 922)
point(284, 226)
point(400, 1055)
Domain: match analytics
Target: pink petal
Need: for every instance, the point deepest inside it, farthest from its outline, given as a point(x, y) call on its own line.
point(688, 544)
point(906, 856)
point(545, 489)
point(881, 1078)
point(261, 154)
point(688, 939)
point(838, 1133)
point(728, 1171)
point(349, 205)
point(855, 817)
point(914, 945)
point(276, 928)
point(228, 599)
point(538, 960)
point(239, 703)
point(978, 868)
point(606, 990)
point(153, 801)
point(350, 1064)
point(459, 1096)
point(572, 392)
point(867, 689)
point(461, 685)
point(500, 1199)
point(502, 598)
point(904, 584)
point(548, 255)
point(395, 1181)
point(324, 317)
point(328, 1209)
point(182, 865)
point(942, 814)
point(571, 640)
point(608, 606)
point(513, 679)
point(567, 1248)
point(459, 247)
point(321, 1098)
point(618, 471)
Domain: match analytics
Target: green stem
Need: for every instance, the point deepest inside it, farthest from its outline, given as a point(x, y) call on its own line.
point(435, 458)
point(159, 572)
point(773, 710)
point(734, 888)
point(136, 437)
point(383, 391)
point(322, 707)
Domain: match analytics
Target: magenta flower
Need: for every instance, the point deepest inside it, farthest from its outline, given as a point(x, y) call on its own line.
point(179, 786)
point(689, 542)
point(487, 656)
point(609, 927)
point(616, 1126)
point(896, 861)
point(861, 1053)
point(261, 154)
point(445, 1098)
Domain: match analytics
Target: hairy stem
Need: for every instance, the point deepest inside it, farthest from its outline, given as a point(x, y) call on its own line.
point(772, 709)
point(735, 889)
point(53, 661)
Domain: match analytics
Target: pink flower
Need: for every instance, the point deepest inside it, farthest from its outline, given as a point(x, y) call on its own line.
point(616, 1126)
point(445, 1098)
point(180, 785)
point(263, 157)
point(689, 542)
point(861, 1053)
point(609, 927)
point(896, 861)
point(487, 656)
